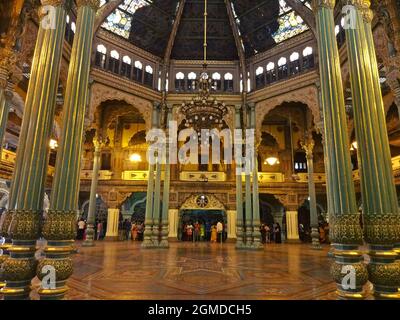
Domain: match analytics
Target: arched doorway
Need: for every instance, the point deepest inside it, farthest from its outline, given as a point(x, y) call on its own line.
point(204, 210)
point(134, 207)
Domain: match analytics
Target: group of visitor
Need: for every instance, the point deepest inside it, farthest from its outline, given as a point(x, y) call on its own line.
point(99, 230)
point(204, 231)
point(271, 233)
point(131, 230)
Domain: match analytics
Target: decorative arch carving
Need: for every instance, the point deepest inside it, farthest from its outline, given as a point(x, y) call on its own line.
point(307, 95)
point(213, 203)
point(101, 93)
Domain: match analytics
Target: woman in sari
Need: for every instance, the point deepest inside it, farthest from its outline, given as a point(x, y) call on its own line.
point(134, 232)
point(214, 234)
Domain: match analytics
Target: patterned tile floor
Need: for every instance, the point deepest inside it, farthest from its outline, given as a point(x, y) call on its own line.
point(122, 270)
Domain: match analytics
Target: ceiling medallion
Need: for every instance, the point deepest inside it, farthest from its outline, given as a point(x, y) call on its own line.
point(204, 111)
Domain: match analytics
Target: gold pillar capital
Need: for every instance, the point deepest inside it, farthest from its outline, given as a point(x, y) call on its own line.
point(330, 4)
point(308, 147)
point(94, 4)
point(98, 143)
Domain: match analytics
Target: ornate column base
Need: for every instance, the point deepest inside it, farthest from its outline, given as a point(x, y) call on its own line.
point(89, 241)
point(148, 241)
point(349, 272)
point(19, 270)
point(164, 244)
point(55, 269)
point(4, 255)
point(155, 233)
point(256, 245)
point(315, 239)
point(239, 236)
point(384, 272)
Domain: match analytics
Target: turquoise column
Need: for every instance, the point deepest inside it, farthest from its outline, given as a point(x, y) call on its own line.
point(257, 245)
point(91, 219)
point(308, 147)
point(345, 230)
point(27, 191)
point(60, 226)
point(156, 206)
point(167, 185)
point(380, 207)
point(248, 203)
point(239, 184)
point(148, 231)
point(6, 94)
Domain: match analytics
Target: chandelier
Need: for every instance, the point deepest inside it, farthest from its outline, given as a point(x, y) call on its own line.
point(204, 111)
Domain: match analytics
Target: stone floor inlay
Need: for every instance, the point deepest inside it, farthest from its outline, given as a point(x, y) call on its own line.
point(122, 270)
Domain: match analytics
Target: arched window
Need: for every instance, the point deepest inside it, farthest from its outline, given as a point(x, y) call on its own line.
point(308, 58)
point(73, 27)
point(228, 82)
point(271, 73)
point(300, 162)
point(192, 83)
point(148, 76)
point(180, 82)
point(138, 71)
point(282, 68)
point(101, 56)
point(294, 63)
point(217, 83)
point(126, 68)
point(113, 61)
point(260, 78)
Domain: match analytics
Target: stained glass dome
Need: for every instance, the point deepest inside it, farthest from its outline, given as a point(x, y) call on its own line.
point(290, 23)
point(148, 24)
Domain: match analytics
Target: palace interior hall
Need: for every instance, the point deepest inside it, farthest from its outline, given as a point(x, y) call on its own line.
point(288, 115)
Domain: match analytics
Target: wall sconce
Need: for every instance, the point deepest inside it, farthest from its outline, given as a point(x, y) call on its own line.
point(272, 161)
point(135, 158)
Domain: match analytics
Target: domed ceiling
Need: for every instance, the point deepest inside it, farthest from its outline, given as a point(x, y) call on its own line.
point(261, 24)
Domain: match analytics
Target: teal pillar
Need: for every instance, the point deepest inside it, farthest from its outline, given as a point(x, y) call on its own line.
point(345, 230)
point(308, 147)
point(91, 219)
point(248, 202)
point(167, 185)
point(156, 206)
point(239, 184)
point(6, 93)
point(380, 207)
point(256, 236)
point(60, 226)
point(148, 231)
point(27, 191)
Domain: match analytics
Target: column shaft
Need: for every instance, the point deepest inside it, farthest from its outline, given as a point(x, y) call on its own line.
point(345, 230)
point(148, 231)
point(167, 186)
point(27, 191)
point(60, 226)
point(308, 148)
point(239, 187)
point(91, 219)
point(248, 199)
point(380, 207)
point(257, 244)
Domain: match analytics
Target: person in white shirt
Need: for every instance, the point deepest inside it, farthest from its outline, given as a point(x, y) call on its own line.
point(220, 229)
point(81, 229)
